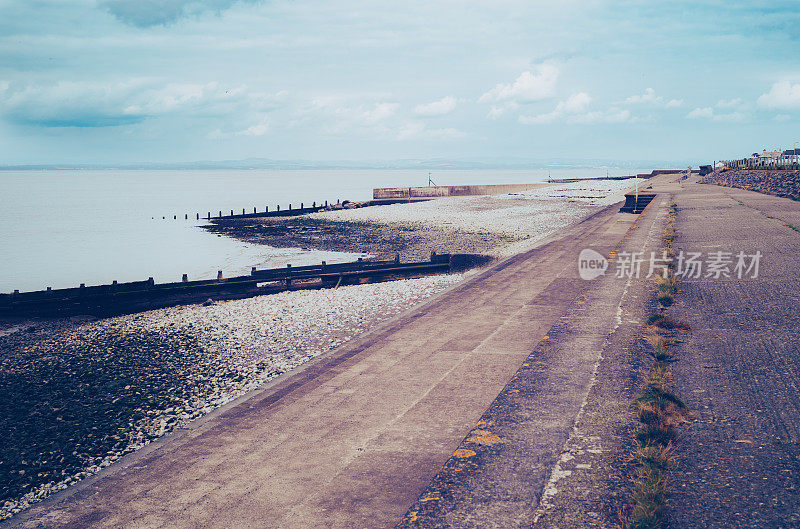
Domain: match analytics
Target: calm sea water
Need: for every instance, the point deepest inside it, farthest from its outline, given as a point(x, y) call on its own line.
point(62, 228)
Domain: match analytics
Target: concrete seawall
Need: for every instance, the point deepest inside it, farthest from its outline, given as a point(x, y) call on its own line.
point(452, 191)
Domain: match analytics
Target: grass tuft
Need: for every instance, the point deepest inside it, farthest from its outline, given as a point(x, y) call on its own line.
point(666, 299)
point(662, 321)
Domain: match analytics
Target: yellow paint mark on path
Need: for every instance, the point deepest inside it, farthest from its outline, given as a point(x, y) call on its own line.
point(463, 453)
point(484, 438)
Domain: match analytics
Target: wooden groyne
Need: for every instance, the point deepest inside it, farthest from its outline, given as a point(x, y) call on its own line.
point(286, 212)
point(137, 296)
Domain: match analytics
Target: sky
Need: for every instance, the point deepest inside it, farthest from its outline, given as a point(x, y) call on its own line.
point(128, 81)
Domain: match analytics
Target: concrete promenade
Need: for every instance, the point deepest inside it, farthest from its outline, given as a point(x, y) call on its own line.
point(739, 372)
point(354, 438)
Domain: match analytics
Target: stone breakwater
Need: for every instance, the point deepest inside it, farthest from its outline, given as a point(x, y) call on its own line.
point(778, 183)
point(75, 395)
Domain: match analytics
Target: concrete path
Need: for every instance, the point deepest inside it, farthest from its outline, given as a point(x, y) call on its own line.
point(551, 449)
point(353, 439)
point(739, 459)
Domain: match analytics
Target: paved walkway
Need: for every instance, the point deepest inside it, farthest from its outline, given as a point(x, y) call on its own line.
point(353, 439)
point(552, 448)
point(739, 459)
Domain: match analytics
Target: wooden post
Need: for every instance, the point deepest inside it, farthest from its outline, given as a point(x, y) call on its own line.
point(209, 215)
point(266, 209)
point(326, 203)
point(397, 258)
point(253, 271)
point(290, 206)
point(150, 280)
point(186, 216)
point(243, 211)
point(254, 209)
point(323, 266)
point(219, 275)
point(220, 214)
point(231, 213)
point(83, 285)
point(301, 205)
point(174, 217)
point(314, 204)
point(278, 207)
point(185, 278)
point(49, 289)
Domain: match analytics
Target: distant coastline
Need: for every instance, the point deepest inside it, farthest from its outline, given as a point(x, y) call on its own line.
point(427, 164)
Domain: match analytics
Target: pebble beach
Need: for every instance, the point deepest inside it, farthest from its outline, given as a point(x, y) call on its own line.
point(78, 394)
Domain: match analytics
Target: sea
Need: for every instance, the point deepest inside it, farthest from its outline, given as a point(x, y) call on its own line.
point(67, 227)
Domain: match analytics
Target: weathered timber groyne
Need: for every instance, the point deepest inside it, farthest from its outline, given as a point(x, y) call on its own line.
point(137, 296)
point(782, 183)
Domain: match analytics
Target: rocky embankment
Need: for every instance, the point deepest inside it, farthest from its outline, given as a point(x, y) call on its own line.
point(772, 182)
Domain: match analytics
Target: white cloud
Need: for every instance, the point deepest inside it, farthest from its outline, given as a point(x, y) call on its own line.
point(74, 104)
point(380, 112)
point(612, 115)
point(783, 95)
point(437, 108)
point(527, 87)
point(783, 117)
point(498, 110)
point(729, 103)
point(710, 114)
point(259, 129)
point(674, 103)
point(649, 96)
point(701, 113)
point(415, 130)
point(574, 104)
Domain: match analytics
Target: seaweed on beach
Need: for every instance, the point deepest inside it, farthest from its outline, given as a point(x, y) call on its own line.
point(73, 400)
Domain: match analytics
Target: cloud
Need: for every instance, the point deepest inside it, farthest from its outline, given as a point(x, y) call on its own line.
point(649, 96)
point(415, 130)
point(74, 104)
point(674, 103)
point(498, 110)
point(259, 129)
point(575, 104)
point(147, 13)
point(783, 95)
point(612, 115)
point(701, 113)
point(729, 103)
point(527, 87)
point(710, 114)
point(380, 112)
point(436, 108)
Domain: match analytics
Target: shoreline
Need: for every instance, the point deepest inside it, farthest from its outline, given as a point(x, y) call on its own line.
point(239, 352)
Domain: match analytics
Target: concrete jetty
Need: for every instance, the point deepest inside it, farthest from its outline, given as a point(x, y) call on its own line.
point(394, 193)
point(352, 439)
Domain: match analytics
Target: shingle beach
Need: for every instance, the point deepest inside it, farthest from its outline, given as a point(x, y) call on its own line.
point(77, 394)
